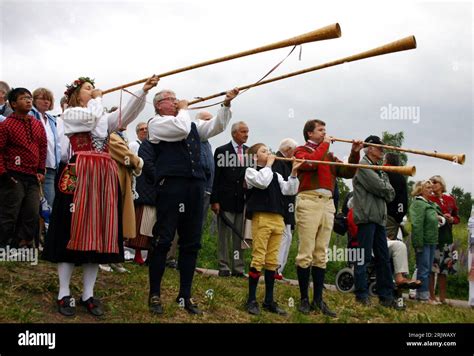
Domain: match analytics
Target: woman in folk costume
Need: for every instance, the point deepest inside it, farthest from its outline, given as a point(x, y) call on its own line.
point(85, 228)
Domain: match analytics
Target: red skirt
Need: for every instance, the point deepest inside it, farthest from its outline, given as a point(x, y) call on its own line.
point(141, 242)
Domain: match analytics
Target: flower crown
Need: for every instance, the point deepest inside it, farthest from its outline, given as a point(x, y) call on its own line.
point(71, 88)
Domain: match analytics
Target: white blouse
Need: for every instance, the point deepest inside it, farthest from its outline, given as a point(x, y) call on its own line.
point(99, 123)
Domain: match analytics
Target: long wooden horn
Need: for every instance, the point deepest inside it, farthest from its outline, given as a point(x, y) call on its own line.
point(324, 33)
point(392, 47)
point(405, 170)
point(455, 158)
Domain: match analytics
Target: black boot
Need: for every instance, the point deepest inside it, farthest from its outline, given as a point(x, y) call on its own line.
point(303, 282)
point(252, 305)
point(318, 285)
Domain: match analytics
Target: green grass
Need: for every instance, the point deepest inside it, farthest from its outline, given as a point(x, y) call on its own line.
point(28, 294)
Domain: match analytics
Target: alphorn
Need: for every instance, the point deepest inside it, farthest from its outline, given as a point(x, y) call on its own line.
point(392, 47)
point(456, 158)
point(324, 33)
point(405, 170)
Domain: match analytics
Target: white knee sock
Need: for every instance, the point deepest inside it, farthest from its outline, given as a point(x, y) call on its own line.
point(64, 272)
point(89, 276)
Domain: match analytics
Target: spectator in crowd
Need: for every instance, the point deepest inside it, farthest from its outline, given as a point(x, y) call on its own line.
point(142, 133)
point(425, 218)
point(43, 101)
point(23, 149)
point(228, 198)
point(372, 191)
point(5, 108)
point(444, 260)
point(398, 207)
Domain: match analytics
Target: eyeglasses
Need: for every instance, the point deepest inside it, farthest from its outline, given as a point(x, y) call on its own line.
point(26, 98)
point(43, 99)
point(170, 98)
point(143, 129)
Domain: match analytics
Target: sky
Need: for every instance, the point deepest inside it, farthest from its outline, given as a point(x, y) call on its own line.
point(51, 43)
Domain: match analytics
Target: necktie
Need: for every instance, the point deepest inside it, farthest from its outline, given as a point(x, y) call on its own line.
point(239, 154)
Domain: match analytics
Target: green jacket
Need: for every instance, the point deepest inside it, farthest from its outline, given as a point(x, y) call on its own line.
point(424, 222)
point(372, 192)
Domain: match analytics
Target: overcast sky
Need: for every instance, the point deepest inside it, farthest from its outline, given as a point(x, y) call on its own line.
point(51, 43)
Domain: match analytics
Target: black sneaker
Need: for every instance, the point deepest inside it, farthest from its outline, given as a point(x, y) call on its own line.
point(67, 306)
point(224, 274)
point(392, 303)
point(364, 301)
point(93, 306)
point(189, 305)
point(323, 308)
point(154, 303)
point(252, 307)
point(172, 264)
point(238, 274)
point(274, 308)
point(304, 307)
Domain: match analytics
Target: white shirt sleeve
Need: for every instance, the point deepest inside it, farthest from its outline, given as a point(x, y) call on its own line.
point(259, 179)
point(129, 113)
point(214, 126)
point(290, 186)
point(79, 119)
point(134, 147)
point(169, 128)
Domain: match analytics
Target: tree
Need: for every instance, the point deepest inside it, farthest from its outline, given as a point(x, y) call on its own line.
point(343, 191)
point(396, 140)
point(463, 200)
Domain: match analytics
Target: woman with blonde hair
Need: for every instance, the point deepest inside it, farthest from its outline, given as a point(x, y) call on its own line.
point(425, 218)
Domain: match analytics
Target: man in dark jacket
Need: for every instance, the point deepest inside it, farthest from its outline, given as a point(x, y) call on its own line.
point(397, 208)
point(228, 198)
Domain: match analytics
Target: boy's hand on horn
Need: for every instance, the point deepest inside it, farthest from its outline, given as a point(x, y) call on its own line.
point(270, 160)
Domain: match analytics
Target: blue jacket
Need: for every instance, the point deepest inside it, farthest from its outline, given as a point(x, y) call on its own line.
point(207, 161)
point(52, 123)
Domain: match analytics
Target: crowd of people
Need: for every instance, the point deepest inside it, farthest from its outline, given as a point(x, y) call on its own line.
point(154, 194)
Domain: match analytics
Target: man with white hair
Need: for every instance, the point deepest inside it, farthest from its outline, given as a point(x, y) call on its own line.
point(142, 133)
point(228, 198)
point(286, 149)
point(179, 187)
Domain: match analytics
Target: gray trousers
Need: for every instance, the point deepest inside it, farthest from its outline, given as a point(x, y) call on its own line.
point(234, 261)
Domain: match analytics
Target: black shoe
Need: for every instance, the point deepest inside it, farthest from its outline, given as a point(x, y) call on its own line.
point(67, 306)
point(224, 274)
point(274, 308)
point(189, 305)
point(154, 303)
point(392, 303)
point(323, 308)
point(252, 307)
point(238, 274)
point(93, 306)
point(172, 264)
point(364, 301)
point(304, 307)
